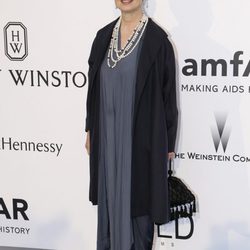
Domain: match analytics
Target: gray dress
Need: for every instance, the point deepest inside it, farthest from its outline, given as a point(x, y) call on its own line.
point(116, 230)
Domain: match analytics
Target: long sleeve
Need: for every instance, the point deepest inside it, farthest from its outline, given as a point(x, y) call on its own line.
point(169, 92)
point(90, 63)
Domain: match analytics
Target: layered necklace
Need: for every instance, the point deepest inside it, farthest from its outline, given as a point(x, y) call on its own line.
point(114, 54)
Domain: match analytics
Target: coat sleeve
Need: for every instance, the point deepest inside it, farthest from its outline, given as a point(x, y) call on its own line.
point(169, 94)
point(90, 63)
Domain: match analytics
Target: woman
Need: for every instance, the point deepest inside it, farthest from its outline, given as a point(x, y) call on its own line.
point(131, 127)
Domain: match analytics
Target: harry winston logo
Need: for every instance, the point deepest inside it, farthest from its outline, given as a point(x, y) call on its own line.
point(220, 132)
point(15, 41)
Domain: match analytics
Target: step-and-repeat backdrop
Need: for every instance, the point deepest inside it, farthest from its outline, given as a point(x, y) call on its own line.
point(44, 178)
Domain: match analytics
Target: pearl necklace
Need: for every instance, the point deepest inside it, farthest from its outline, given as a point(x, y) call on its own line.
point(130, 45)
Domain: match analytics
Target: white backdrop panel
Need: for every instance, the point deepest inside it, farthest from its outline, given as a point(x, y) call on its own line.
point(55, 184)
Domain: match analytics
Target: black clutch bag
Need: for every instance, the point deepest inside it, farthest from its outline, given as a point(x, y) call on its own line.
point(182, 200)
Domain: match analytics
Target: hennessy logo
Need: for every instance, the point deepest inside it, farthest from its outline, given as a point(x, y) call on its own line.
point(15, 39)
point(220, 133)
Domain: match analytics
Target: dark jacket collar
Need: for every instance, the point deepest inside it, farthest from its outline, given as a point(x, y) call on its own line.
point(149, 49)
point(151, 44)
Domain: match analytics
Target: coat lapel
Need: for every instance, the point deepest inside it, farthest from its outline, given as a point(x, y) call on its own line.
point(103, 43)
point(149, 51)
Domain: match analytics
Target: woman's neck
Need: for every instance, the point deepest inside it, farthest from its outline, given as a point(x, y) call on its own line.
point(131, 19)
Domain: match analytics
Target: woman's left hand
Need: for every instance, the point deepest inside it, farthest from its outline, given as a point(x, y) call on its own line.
point(171, 155)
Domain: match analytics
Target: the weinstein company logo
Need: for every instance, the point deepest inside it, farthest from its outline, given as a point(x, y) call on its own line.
point(220, 132)
point(15, 41)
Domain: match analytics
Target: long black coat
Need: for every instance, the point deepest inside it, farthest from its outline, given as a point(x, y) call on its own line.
point(154, 122)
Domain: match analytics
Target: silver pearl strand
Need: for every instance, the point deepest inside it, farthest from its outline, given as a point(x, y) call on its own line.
point(130, 45)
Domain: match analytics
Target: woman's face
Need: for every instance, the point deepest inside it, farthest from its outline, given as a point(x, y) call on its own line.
point(129, 5)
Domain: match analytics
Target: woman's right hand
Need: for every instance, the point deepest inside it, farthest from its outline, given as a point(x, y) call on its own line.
point(87, 143)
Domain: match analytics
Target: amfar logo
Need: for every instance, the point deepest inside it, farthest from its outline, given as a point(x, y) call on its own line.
point(220, 132)
point(15, 40)
point(194, 67)
point(19, 208)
